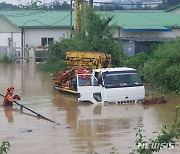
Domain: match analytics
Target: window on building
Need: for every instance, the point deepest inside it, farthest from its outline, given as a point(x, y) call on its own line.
point(45, 41)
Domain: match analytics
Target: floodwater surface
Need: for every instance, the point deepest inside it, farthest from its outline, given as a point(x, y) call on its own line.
point(84, 128)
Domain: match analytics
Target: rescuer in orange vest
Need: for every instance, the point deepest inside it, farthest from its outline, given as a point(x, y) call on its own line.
point(9, 98)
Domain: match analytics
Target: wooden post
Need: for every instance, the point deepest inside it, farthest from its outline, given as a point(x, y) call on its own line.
point(21, 107)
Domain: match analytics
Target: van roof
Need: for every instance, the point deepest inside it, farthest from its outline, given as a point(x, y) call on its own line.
point(114, 69)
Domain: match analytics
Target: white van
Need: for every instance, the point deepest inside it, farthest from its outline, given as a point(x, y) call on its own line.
point(119, 85)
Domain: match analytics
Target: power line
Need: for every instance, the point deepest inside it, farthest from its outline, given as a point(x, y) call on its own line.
point(27, 12)
point(46, 24)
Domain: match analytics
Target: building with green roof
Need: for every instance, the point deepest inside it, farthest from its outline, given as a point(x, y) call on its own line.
point(32, 25)
point(34, 28)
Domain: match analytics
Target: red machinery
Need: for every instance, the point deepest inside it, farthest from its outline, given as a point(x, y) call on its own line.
point(79, 63)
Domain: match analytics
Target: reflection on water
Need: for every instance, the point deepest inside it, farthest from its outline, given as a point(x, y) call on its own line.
point(84, 127)
point(8, 113)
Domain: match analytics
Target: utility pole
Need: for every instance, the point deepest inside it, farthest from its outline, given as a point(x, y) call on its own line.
point(80, 14)
point(77, 15)
point(71, 20)
point(83, 14)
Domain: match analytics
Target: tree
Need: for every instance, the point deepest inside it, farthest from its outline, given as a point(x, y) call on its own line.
point(4, 5)
point(99, 36)
point(95, 35)
point(163, 69)
point(35, 5)
point(56, 5)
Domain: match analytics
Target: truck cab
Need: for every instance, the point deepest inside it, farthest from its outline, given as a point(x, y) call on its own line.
point(119, 85)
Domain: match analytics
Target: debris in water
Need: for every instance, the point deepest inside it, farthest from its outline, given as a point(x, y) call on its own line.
point(159, 100)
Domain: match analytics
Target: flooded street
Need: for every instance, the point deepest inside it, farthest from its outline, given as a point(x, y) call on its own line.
point(83, 127)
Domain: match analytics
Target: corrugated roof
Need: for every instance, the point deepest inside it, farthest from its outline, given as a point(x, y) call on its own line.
point(135, 21)
point(38, 18)
point(144, 20)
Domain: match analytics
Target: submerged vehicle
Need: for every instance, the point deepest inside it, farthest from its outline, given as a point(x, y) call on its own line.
point(119, 85)
point(90, 77)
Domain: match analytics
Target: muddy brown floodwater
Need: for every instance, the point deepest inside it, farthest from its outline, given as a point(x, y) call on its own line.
point(84, 127)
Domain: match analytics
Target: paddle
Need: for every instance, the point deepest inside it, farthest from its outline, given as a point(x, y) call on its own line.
point(39, 115)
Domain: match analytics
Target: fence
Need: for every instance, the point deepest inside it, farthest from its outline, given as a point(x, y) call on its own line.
point(19, 54)
point(12, 53)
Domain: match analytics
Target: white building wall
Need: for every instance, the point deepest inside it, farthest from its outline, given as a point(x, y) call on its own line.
point(7, 27)
point(121, 33)
point(33, 36)
point(16, 37)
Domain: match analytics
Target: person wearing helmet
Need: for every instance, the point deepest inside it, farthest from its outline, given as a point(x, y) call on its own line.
point(9, 99)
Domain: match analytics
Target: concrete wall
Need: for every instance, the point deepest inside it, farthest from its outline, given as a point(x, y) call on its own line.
point(33, 36)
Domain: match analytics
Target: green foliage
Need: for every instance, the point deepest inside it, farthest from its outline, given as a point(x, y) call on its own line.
point(164, 139)
point(4, 147)
point(141, 141)
point(57, 5)
point(136, 61)
point(6, 6)
point(55, 61)
point(100, 37)
point(163, 69)
point(34, 5)
point(113, 151)
point(5, 59)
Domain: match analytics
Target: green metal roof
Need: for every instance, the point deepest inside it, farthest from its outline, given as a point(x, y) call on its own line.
point(144, 20)
point(37, 18)
point(135, 21)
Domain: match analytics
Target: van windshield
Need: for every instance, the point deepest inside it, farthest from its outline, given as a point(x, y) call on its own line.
point(116, 80)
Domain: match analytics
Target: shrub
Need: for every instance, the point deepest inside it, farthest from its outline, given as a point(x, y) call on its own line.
point(163, 69)
point(136, 61)
point(165, 138)
point(4, 147)
point(5, 59)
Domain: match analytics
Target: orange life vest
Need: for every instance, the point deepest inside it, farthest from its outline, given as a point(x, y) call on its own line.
point(8, 99)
